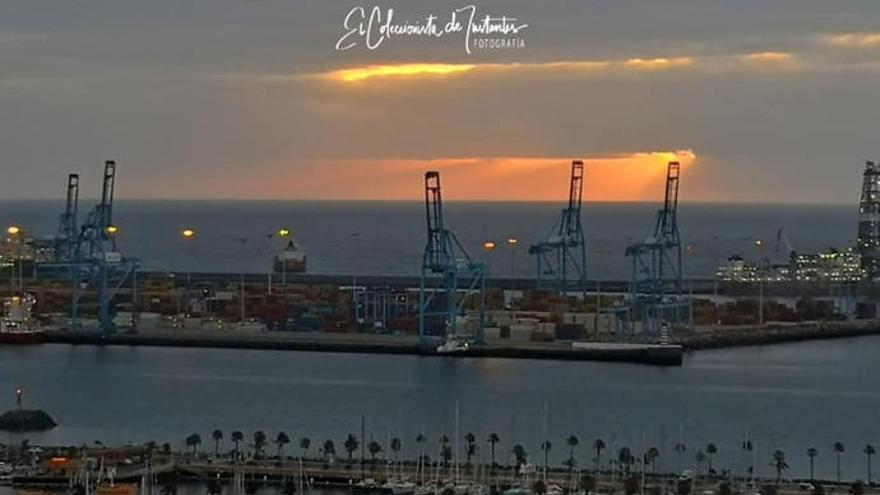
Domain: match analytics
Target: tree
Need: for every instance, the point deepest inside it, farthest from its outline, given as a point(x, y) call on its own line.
point(598, 447)
point(304, 444)
point(651, 457)
point(546, 446)
point(193, 441)
point(520, 454)
point(471, 444)
point(395, 447)
point(700, 459)
point(748, 446)
point(812, 453)
point(281, 439)
point(625, 459)
point(351, 445)
point(374, 448)
point(711, 450)
point(217, 435)
point(237, 437)
point(869, 452)
point(680, 449)
point(572, 442)
point(329, 449)
point(420, 441)
point(839, 449)
point(779, 464)
point(445, 450)
point(260, 439)
point(493, 440)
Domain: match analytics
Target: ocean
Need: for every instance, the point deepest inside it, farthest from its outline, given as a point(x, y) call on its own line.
point(387, 238)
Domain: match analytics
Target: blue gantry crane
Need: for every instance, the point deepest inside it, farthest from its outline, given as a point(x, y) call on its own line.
point(562, 258)
point(656, 299)
point(88, 252)
point(450, 279)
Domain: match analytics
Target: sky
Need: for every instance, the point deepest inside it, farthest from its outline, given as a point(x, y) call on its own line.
point(761, 100)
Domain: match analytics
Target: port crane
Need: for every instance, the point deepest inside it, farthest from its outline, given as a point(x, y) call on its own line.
point(450, 279)
point(88, 252)
point(562, 258)
point(655, 294)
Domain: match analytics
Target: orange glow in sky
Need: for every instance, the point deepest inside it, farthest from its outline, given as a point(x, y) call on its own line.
point(362, 73)
point(624, 177)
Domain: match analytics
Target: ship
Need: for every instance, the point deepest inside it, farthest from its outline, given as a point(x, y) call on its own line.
point(291, 260)
point(17, 325)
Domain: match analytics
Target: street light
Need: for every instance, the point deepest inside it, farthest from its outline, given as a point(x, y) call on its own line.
point(13, 230)
point(188, 233)
point(111, 230)
point(512, 243)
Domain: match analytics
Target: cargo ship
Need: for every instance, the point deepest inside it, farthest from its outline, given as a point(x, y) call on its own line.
point(291, 260)
point(17, 325)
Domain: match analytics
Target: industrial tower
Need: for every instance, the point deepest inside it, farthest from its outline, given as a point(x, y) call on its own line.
point(88, 251)
point(656, 297)
point(869, 221)
point(562, 258)
point(449, 278)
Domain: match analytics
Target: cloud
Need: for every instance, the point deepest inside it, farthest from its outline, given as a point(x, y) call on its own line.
point(854, 40)
point(630, 176)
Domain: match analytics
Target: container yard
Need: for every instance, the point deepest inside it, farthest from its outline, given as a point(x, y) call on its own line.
point(78, 287)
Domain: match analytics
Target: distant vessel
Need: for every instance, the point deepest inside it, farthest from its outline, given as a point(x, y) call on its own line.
point(17, 325)
point(291, 260)
point(453, 345)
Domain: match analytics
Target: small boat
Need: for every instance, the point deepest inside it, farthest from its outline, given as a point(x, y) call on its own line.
point(400, 487)
point(453, 345)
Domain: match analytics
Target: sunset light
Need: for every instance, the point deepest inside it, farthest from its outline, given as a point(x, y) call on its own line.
point(362, 73)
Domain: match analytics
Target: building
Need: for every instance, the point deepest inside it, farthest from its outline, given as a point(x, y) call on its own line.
point(822, 267)
point(869, 221)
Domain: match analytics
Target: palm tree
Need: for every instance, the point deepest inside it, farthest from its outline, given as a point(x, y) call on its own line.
point(572, 442)
point(493, 439)
point(520, 454)
point(395, 447)
point(374, 448)
point(259, 442)
point(779, 463)
point(812, 453)
point(471, 442)
point(680, 449)
point(711, 450)
point(280, 441)
point(445, 450)
point(598, 447)
point(652, 455)
point(869, 452)
point(546, 446)
point(839, 449)
point(700, 458)
point(748, 446)
point(329, 449)
point(351, 445)
point(237, 437)
point(304, 444)
point(625, 459)
point(193, 441)
point(217, 435)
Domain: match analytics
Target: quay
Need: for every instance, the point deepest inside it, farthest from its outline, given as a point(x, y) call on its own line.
point(661, 355)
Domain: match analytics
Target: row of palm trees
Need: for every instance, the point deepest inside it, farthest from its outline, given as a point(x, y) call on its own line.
point(624, 460)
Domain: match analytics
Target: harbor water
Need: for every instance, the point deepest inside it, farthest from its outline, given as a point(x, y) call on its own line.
point(788, 397)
